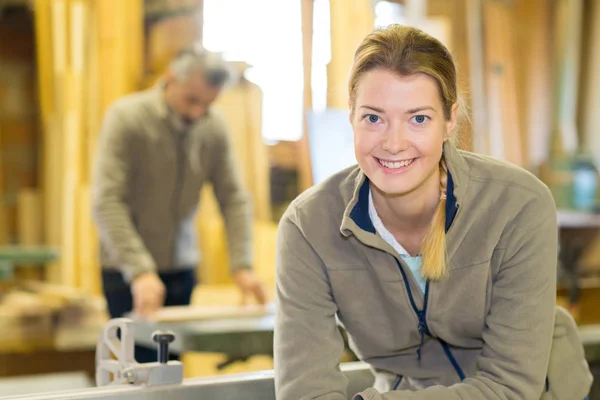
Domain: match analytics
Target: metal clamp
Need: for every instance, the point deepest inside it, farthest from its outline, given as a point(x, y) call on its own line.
point(116, 365)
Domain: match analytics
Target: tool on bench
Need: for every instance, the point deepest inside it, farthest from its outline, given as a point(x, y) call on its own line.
point(116, 365)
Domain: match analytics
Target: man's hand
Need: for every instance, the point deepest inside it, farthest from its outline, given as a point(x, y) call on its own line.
point(250, 285)
point(148, 294)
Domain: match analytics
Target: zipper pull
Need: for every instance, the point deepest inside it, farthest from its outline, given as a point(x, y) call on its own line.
point(422, 330)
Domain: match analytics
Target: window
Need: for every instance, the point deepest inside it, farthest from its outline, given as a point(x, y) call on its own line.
point(267, 34)
point(387, 13)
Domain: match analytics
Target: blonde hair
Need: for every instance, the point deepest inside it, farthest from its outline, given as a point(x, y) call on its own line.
point(407, 51)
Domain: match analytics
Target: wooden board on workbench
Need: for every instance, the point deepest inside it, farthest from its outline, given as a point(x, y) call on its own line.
point(201, 313)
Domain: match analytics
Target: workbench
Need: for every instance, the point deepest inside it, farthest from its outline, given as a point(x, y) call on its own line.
point(238, 338)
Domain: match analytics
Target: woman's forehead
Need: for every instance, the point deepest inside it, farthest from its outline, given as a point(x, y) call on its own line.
point(385, 89)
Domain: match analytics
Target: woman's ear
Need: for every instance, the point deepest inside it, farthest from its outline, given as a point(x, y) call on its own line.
point(451, 123)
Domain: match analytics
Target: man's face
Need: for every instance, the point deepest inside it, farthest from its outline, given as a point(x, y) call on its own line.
point(190, 98)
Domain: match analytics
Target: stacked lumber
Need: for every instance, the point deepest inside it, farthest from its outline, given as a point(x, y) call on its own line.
point(37, 315)
point(89, 54)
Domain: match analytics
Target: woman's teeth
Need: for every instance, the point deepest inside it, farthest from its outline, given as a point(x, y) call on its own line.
point(396, 164)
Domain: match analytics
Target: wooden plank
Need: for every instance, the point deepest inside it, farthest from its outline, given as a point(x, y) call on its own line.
point(53, 158)
point(203, 313)
point(88, 262)
point(47, 165)
point(534, 77)
point(29, 232)
point(304, 167)
point(568, 17)
point(591, 83)
point(44, 58)
point(480, 136)
point(351, 21)
point(3, 230)
point(261, 185)
point(503, 102)
point(29, 217)
point(74, 100)
point(3, 217)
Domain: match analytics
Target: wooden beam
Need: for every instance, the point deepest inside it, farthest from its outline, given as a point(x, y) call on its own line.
point(534, 78)
point(590, 107)
point(259, 160)
point(29, 215)
point(351, 21)
point(568, 17)
point(3, 221)
point(304, 164)
point(29, 230)
point(500, 70)
point(88, 266)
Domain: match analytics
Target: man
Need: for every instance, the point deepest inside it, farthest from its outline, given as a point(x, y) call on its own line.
point(156, 149)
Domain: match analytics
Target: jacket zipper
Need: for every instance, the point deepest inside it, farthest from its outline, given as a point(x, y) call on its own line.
point(422, 314)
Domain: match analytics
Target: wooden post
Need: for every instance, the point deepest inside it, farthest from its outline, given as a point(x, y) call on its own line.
point(304, 164)
point(568, 16)
point(3, 221)
point(503, 101)
point(351, 21)
point(480, 132)
point(535, 78)
point(591, 105)
point(29, 232)
point(89, 54)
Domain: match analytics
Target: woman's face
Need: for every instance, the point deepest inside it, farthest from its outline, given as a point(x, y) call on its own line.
point(399, 130)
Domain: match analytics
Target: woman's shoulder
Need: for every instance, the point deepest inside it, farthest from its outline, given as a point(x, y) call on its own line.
point(324, 201)
point(500, 179)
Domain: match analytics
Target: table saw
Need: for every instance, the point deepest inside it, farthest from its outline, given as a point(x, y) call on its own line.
point(119, 376)
point(238, 332)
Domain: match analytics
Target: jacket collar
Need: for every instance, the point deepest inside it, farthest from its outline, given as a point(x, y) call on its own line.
point(356, 218)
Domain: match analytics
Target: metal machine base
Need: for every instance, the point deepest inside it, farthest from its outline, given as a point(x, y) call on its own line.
point(251, 386)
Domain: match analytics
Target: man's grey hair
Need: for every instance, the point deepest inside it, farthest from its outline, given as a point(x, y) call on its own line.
point(217, 72)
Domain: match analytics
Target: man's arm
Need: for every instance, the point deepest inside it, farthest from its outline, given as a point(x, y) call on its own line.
point(518, 329)
point(109, 198)
point(234, 202)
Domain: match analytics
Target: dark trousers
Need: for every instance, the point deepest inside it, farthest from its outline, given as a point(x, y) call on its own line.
point(179, 286)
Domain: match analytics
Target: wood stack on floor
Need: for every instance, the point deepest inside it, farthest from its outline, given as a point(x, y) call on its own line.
point(39, 316)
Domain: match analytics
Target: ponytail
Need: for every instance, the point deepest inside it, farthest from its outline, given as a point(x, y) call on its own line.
point(433, 247)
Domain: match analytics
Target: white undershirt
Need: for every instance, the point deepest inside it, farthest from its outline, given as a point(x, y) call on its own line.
point(414, 263)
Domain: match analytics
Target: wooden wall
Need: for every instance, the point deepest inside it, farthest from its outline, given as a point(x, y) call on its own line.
point(351, 21)
point(89, 53)
point(19, 125)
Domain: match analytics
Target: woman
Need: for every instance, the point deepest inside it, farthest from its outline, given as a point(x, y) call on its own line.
point(440, 264)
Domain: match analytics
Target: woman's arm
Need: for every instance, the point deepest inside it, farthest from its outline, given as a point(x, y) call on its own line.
point(308, 344)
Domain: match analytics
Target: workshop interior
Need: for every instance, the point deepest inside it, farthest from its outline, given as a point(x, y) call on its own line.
point(529, 72)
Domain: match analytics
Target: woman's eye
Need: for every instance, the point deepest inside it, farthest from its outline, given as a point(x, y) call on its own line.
point(420, 119)
point(372, 118)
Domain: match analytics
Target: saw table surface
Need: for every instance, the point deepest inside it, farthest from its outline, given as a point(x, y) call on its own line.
point(237, 331)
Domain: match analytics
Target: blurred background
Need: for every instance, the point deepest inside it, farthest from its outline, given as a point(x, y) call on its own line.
point(529, 71)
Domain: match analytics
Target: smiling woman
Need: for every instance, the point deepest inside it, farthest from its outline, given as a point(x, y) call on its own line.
point(452, 290)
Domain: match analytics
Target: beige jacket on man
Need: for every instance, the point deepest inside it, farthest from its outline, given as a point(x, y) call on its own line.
point(146, 187)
